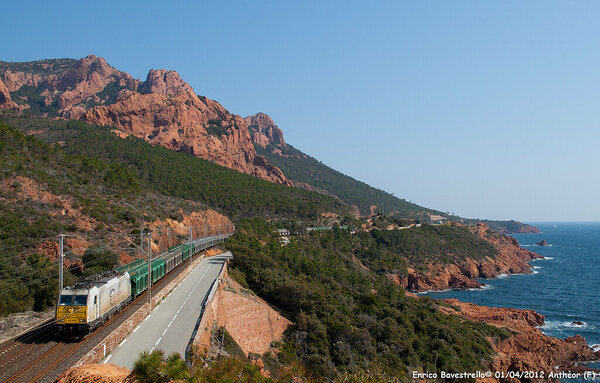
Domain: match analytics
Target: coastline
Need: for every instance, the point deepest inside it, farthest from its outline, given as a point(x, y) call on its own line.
point(528, 349)
point(512, 259)
point(568, 332)
point(483, 286)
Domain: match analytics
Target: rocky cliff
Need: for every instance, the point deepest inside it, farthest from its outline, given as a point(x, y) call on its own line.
point(65, 87)
point(5, 99)
point(264, 131)
point(163, 109)
point(528, 349)
point(510, 259)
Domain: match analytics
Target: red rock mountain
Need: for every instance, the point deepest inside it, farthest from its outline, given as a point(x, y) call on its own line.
point(163, 110)
point(264, 131)
point(5, 100)
point(68, 86)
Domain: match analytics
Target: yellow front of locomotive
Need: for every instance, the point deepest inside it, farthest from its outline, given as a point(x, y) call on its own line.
point(72, 311)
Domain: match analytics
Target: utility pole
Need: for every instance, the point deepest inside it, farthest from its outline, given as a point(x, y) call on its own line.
point(205, 235)
point(382, 212)
point(149, 266)
point(168, 238)
point(191, 252)
point(60, 267)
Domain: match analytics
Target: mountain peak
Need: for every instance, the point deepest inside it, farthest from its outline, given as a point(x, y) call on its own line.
point(264, 131)
point(165, 83)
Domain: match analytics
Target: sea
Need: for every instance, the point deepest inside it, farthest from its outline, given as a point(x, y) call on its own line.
point(564, 287)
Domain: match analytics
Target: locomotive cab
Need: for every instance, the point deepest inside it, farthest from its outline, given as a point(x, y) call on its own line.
point(89, 303)
point(73, 309)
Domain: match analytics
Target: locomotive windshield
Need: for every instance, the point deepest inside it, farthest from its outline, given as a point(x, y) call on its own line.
point(73, 300)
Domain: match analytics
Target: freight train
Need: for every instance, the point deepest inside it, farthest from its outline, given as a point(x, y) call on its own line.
point(89, 303)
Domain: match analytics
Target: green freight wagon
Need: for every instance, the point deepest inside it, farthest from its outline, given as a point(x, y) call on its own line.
point(186, 251)
point(138, 273)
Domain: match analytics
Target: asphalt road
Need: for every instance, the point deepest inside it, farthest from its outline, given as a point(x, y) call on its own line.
point(171, 324)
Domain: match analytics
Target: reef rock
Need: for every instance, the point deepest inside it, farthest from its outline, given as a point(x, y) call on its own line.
point(543, 243)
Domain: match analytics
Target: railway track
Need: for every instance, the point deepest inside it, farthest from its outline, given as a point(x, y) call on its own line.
point(38, 357)
point(18, 351)
point(27, 337)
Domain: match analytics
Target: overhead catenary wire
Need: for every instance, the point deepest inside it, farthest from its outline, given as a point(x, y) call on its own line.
point(29, 283)
point(44, 278)
point(91, 263)
point(29, 243)
point(91, 249)
point(85, 248)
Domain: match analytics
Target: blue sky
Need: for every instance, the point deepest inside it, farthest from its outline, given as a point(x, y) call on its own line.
point(485, 109)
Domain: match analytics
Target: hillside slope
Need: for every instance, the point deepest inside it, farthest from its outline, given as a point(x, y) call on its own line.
point(347, 317)
point(101, 205)
point(181, 175)
point(164, 110)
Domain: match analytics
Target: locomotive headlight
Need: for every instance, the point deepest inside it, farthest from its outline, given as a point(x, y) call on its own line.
point(82, 320)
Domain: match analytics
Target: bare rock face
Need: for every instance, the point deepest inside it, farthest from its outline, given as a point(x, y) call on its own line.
point(163, 110)
point(185, 122)
point(264, 131)
point(249, 320)
point(89, 77)
point(5, 100)
point(165, 83)
point(71, 87)
point(527, 349)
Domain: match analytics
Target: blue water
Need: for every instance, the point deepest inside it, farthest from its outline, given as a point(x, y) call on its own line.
point(564, 287)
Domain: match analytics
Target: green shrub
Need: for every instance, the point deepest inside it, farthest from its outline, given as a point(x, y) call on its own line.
point(348, 318)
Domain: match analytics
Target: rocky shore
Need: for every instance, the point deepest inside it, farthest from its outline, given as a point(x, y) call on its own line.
point(528, 349)
point(511, 259)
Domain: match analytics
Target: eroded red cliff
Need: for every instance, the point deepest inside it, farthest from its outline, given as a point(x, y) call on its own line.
point(528, 349)
point(264, 131)
point(5, 100)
